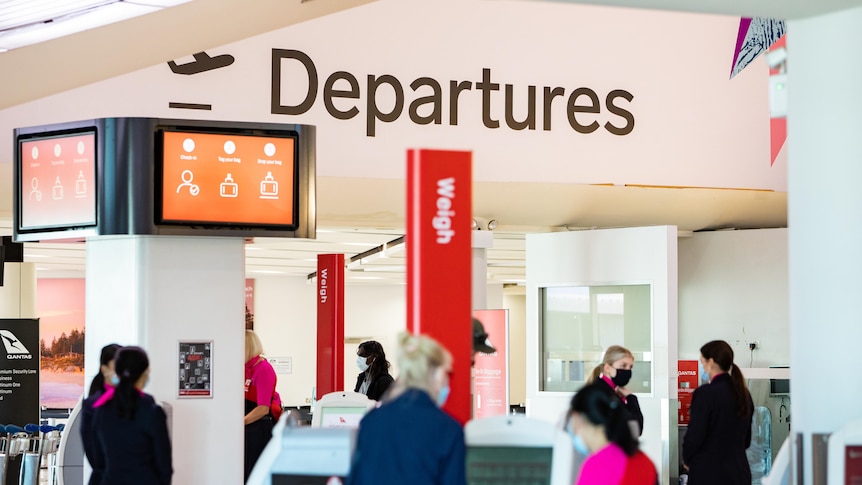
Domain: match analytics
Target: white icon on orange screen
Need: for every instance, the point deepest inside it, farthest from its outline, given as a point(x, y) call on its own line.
point(81, 186)
point(229, 147)
point(268, 187)
point(187, 177)
point(34, 190)
point(228, 188)
point(57, 190)
point(57, 150)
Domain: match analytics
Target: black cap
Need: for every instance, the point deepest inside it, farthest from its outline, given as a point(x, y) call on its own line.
point(480, 338)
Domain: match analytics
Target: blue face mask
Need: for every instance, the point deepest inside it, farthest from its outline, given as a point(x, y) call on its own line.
point(442, 396)
point(704, 375)
point(578, 442)
point(115, 381)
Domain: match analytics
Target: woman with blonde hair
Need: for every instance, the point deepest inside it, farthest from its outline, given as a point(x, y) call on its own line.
point(260, 401)
point(613, 374)
point(409, 439)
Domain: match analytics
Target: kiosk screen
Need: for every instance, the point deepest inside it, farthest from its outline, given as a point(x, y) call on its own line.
point(509, 465)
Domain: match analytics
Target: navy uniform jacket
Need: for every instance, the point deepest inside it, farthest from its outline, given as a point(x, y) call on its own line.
point(88, 437)
point(409, 440)
point(136, 451)
point(378, 386)
point(715, 442)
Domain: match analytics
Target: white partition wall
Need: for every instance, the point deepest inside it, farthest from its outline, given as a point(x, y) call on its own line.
point(636, 257)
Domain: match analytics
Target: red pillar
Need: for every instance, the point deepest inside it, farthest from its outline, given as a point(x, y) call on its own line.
point(439, 210)
point(330, 323)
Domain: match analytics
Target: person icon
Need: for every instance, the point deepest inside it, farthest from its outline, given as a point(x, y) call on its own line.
point(34, 190)
point(187, 177)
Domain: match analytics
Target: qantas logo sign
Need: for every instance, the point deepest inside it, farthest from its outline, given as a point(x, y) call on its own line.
point(14, 348)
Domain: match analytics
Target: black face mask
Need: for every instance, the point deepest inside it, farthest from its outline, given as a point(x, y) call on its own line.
point(623, 377)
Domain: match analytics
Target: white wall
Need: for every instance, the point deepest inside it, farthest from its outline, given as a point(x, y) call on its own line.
point(516, 303)
point(285, 318)
point(733, 287)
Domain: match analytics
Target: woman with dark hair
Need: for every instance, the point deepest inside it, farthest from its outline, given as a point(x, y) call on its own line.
point(719, 431)
point(599, 426)
point(373, 379)
point(98, 387)
point(132, 444)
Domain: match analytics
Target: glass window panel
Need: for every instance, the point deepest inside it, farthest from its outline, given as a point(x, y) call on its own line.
point(579, 322)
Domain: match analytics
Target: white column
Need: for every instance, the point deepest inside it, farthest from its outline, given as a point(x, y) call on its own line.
point(482, 240)
point(825, 222)
point(154, 291)
point(18, 293)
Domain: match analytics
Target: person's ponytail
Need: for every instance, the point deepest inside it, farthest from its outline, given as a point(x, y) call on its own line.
point(594, 375)
point(743, 404)
point(130, 364)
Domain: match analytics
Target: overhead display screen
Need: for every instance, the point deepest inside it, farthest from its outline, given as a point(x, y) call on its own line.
point(228, 179)
point(58, 181)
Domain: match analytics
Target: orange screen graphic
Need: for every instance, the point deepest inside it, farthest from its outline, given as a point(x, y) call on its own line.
point(225, 178)
point(58, 182)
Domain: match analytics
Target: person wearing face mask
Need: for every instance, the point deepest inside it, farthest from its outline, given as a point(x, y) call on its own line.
point(132, 444)
point(719, 430)
point(598, 426)
point(409, 439)
point(100, 384)
point(613, 374)
point(374, 378)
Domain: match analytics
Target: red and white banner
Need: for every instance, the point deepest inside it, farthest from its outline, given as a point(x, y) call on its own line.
point(330, 323)
point(687, 380)
point(439, 260)
point(491, 371)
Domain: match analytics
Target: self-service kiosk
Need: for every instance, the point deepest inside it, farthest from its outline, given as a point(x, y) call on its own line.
point(509, 449)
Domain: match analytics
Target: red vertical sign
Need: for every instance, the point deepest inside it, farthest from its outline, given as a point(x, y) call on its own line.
point(853, 465)
point(330, 323)
point(491, 371)
point(686, 384)
point(439, 260)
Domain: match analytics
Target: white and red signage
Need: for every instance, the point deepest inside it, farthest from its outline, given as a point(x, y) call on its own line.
point(228, 179)
point(58, 182)
point(491, 371)
point(330, 323)
point(439, 261)
point(687, 380)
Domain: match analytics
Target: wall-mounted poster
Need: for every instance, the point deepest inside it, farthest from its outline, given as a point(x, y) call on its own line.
point(249, 304)
point(60, 308)
point(195, 369)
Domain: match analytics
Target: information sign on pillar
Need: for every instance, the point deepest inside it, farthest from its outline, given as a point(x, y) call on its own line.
point(439, 210)
point(330, 323)
point(19, 372)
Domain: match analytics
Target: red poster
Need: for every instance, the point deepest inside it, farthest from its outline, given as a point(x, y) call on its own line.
point(330, 323)
point(491, 371)
point(853, 465)
point(687, 383)
point(439, 261)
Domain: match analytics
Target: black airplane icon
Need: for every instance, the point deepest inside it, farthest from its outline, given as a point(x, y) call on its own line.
point(202, 63)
